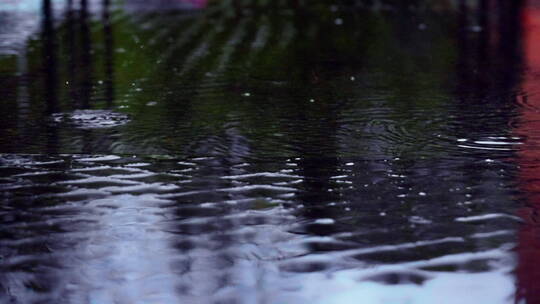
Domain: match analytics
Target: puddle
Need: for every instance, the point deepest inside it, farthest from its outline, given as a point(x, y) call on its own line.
point(269, 152)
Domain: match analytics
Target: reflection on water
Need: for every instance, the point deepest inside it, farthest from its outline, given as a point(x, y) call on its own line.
point(527, 270)
point(268, 152)
point(142, 230)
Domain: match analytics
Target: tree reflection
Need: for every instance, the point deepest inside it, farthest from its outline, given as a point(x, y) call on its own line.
point(109, 53)
point(50, 58)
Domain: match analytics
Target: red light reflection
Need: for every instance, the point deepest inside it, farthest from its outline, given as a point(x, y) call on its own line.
point(528, 248)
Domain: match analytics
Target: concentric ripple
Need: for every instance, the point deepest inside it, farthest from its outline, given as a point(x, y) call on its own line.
point(91, 119)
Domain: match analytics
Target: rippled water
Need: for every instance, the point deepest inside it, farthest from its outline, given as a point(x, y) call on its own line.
point(262, 152)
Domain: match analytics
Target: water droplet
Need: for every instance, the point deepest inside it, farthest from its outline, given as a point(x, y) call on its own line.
point(338, 21)
point(151, 103)
point(246, 94)
point(422, 193)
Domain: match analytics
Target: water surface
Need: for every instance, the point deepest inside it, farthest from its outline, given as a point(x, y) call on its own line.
point(268, 152)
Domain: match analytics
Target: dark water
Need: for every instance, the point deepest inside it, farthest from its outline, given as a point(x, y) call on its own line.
point(269, 152)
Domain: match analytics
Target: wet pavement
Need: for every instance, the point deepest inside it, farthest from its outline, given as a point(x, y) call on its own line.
point(269, 152)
